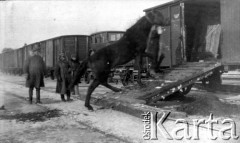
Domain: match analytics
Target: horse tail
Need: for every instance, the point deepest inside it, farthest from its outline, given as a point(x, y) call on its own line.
point(82, 68)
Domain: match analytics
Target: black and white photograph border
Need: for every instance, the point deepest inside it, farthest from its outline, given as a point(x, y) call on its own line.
point(113, 71)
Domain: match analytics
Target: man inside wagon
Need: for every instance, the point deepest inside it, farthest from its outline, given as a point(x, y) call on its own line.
point(35, 69)
point(154, 48)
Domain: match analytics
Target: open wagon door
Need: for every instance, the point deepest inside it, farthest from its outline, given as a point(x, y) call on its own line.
point(177, 33)
point(172, 40)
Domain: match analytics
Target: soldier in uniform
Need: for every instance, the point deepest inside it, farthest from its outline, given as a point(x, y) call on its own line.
point(74, 63)
point(63, 75)
point(35, 69)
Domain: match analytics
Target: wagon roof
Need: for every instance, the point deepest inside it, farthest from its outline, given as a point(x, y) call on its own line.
point(108, 32)
point(57, 38)
point(177, 1)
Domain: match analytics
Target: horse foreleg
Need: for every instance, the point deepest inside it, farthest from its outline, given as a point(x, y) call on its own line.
point(148, 55)
point(159, 62)
point(91, 88)
point(115, 89)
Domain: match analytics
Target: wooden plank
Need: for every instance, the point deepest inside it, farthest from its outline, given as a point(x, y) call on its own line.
point(179, 82)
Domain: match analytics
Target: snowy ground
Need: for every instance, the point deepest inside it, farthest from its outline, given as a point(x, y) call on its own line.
point(23, 123)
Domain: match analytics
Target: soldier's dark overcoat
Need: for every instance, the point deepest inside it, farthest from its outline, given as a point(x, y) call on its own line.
point(35, 68)
point(63, 75)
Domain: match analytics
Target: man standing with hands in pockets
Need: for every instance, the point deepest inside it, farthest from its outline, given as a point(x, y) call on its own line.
point(35, 69)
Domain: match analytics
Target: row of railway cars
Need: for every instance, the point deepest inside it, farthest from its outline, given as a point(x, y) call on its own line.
point(183, 41)
point(72, 45)
point(197, 28)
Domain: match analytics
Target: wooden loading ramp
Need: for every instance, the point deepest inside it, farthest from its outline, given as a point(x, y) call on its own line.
point(180, 79)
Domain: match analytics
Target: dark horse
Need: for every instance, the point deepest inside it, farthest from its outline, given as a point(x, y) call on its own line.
point(132, 45)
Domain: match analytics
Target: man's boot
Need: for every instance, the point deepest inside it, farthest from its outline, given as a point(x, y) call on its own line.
point(62, 98)
point(38, 96)
point(30, 92)
point(76, 90)
point(68, 96)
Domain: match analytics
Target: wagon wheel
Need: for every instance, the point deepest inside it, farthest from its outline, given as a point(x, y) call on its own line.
point(205, 81)
point(185, 90)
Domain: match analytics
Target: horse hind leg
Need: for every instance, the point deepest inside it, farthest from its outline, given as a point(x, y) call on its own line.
point(91, 88)
point(159, 62)
point(162, 56)
point(139, 65)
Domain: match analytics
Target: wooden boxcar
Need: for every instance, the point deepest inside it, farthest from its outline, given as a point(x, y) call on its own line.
point(20, 60)
point(71, 45)
point(1, 62)
point(8, 61)
point(104, 38)
point(230, 21)
point(192, 44)
point(200, 26)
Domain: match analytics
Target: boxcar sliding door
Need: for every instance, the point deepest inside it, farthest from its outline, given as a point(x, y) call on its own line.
point(49, 53)
point(165, 40)
point(172, 37)
point(176, 37)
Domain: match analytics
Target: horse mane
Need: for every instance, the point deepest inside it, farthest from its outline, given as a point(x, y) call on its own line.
point(141, 23)
point(141, 27)
point(134, 37)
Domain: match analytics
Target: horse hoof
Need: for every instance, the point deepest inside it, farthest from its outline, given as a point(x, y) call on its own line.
point(89, 107)
point(119, 90)
point(141, 85)
point(69, 100)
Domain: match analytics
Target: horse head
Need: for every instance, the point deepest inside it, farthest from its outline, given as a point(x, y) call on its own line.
point(156, 18)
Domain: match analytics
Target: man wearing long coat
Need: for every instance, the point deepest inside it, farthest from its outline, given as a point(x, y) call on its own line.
point(74, 64)
point(63, 75)
point(35, 69)
point(154, 47)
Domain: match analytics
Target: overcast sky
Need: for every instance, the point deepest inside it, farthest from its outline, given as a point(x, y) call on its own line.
point(31, 21)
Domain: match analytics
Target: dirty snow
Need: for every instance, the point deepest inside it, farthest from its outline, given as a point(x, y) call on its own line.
point(76, 123)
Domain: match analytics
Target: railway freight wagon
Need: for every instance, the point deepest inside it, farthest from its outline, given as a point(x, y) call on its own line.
point(201, 39)
point(20, 61)
point(101, 39)
point(71, 45)
point(199, 30)
point(8, 62)
point(230, 21)
point(1, 62)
